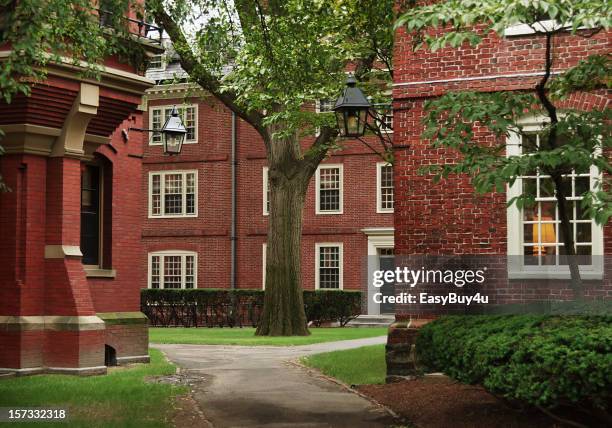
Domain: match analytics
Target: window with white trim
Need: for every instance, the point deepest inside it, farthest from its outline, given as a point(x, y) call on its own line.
point(329, 189)
point(189, 115)
point(173, 194)
point(384, 187)
point(266, 191)
point(328, 264)
point(264, 249)
point(173, 269)
point(325, 105)
point(156, 62)
point(534, 232)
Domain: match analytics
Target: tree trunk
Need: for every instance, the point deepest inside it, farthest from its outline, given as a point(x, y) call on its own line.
point(562, 204)
point(283, 313)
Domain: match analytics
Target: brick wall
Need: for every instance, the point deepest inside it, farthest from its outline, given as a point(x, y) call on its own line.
point(208, 234)
point(449, 218)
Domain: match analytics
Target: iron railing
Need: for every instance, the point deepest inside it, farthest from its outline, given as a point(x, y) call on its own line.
point(145, 29)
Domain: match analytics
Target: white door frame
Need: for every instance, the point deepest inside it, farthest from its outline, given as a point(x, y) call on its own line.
point(378, 237)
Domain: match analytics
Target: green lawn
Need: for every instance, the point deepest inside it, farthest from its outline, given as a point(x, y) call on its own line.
point(354, 366)
point(246, 336)
point(120, 399)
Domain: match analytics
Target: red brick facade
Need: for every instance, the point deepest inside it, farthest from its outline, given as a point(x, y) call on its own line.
point(449, 218)
point(56, 314)
point(208, 234)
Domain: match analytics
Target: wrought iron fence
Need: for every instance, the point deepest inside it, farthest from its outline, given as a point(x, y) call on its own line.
point(239, 308)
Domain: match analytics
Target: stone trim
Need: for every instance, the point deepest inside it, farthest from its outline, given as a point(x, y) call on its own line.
point(61, 251)
point(123, 318)
point(51, 323)
point(100, 273)
point(133, 359)
point(80, 371)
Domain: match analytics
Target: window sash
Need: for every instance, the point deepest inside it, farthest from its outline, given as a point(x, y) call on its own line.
point(159, 115)
point(385, 188)
point(329, 190)
point(266, 190)
point(329, 265)
point(540, 235)
point(173, 270)
point(173, 194)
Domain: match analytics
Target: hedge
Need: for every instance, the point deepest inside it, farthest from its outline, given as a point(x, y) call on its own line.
point(222, 307)
point(559, 364)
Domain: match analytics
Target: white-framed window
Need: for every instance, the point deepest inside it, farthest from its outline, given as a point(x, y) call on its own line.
point(325, 105)
point(384, 187)
point(328, 266)
point(329, 189)
point(266, 191)
point(264, 249)
point(156, 62)
point(173, 194)
point(535, 243)
point(173, 269)
point(189, 115)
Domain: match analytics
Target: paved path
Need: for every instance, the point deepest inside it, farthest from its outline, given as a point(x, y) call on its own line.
point(257, 386)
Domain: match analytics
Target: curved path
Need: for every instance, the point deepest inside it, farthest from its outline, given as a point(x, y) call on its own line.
point(244, 386)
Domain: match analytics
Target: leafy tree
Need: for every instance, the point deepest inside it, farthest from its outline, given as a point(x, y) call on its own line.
point(43, 32)
point(570, 140)
point(265, 60)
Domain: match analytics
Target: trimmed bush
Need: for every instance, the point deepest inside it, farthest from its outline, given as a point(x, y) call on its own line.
point(202, 307)
point(555, 363)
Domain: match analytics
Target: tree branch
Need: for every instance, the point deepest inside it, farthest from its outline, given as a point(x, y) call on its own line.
point(202, 76)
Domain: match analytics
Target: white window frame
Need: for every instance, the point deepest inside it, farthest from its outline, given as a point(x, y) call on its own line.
point(183, 255)
point(264, 249)
point(318, 189)
point(379, 208)
point(163, 108)
point(162, 202)
point(516, 267)
point(318, 247)
point(266, 188)
point(162, 63)
point(318, 111)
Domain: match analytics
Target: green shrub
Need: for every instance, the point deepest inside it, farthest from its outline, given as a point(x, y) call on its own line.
point(221, 307)
point(551, 362)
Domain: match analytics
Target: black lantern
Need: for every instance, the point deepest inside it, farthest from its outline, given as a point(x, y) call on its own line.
point(173, 133)
point(352, 110)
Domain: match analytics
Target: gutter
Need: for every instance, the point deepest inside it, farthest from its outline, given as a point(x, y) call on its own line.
point(233, 237)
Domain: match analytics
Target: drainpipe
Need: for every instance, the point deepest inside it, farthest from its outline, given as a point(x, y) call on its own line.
point(233, 237)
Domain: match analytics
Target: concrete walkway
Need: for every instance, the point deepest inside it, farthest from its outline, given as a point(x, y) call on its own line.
point(256, 386)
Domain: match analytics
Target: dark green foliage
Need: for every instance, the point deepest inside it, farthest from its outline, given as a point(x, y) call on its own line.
point(238, 307)
point(551, 362)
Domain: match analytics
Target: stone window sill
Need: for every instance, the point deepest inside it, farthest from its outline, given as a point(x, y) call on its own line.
point(100, 273)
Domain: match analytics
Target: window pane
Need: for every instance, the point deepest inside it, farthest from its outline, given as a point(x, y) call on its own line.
point(329, 267)
point(189, 271)
point(329, 189)
point(155, 272)
point(190, 193)
point(173, 194)
point(190, 123)
point(156, 123)
point(541, 234)
point(172, 271)
point(156, 194)
point(386, 187)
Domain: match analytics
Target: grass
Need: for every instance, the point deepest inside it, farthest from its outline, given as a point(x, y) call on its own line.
point(122, 398)
point(246, 336)
point(358, 366)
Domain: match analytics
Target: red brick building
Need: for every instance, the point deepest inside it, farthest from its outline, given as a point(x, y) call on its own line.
point(449, 218)
point(187, 224)
point(70, 226)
